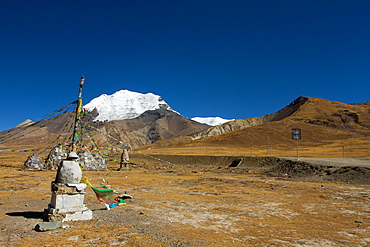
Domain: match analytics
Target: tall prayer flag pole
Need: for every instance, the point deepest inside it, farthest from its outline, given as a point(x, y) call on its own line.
point(78, 114)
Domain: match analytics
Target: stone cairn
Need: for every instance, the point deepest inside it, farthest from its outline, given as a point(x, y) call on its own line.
point(55, 157)
point(33, 162)
point(91, 161)
point(67, 193)
point(87, 160)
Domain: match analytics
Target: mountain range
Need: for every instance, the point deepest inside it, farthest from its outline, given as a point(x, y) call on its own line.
point(304, 109)
point(147, 122)
point(125, 104)
point(328, 129)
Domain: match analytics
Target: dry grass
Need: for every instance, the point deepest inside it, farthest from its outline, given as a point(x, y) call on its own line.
point(329, 129)
point(178, 205)
point(181, 206)
point(352, 149)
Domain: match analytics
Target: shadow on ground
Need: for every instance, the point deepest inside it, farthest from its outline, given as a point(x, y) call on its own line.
point(28, 214)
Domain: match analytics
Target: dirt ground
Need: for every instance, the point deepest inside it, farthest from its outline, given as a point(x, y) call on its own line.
point(199, 201)
point(347, 170)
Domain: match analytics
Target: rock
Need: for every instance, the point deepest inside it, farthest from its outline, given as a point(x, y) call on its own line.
point(47, 226)
point(74, 238)
point(69, 172)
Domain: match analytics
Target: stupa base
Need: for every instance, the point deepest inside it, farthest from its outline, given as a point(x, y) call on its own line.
point(52, 214)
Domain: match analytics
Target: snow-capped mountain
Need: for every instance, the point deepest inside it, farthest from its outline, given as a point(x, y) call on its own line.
point(125, 104)
point(213, 121)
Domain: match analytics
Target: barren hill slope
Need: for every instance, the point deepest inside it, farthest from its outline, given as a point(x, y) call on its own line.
point(39, 134)
point(328, 129)
point(334, 114)
point(249, 122)
point(307, 109)
point(147, 128)
point(152, 126)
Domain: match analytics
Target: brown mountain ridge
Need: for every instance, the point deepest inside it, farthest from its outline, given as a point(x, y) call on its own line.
point(152, 126)
point(328, 128)
point(145, 129)
point(306, 109)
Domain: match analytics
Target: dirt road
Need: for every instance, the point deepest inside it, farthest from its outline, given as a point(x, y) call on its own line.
point(363, 162)
point(305, 169)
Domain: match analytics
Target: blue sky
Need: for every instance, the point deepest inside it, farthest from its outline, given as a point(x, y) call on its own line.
point(233, 59)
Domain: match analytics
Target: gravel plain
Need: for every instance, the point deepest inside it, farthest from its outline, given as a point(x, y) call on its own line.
point(254, 204)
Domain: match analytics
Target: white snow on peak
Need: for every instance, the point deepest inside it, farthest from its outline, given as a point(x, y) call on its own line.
point(125, 104)
point(213, 121)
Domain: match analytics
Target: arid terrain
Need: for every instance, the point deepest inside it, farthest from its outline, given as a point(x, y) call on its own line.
point(199, 201)
point(242, 183)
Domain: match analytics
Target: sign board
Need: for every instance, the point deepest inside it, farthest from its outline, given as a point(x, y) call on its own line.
point(296, 134)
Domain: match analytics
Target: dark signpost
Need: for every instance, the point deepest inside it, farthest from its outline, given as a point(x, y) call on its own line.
point(296, 135)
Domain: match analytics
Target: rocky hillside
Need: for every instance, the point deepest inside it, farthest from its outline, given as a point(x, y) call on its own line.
point(305, 109)
point(329, 129)
point(152, 126)
point(147, 128)
point(333, 114)
point(320, 120)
